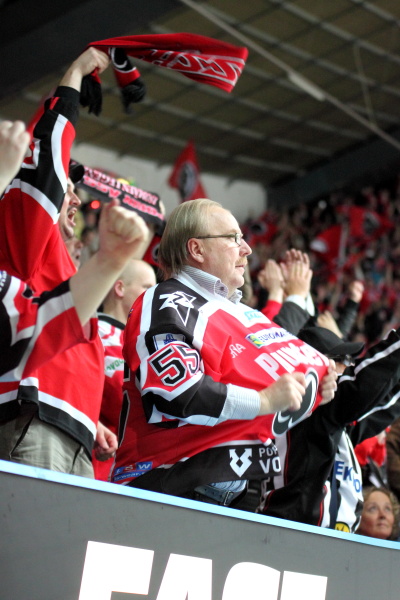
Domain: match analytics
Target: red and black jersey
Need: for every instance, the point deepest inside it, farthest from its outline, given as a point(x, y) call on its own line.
point(33, 328)
point(187, 351)
point(111, 333)
point(67, 389)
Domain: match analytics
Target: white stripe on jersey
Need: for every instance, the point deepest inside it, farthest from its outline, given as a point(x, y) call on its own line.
point(57, 148)
point(41, 198)
point(52, 308)
point(145, 323)
point(13, 313)
point(76, 414)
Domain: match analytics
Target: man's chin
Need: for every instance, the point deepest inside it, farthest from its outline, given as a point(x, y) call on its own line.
point(67, 233)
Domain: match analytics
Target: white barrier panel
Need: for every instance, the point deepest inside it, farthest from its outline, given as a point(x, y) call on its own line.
point(70, 538)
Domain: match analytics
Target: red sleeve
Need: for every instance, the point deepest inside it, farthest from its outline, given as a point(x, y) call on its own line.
point(271, 309)
point(30, 206)
point(34, 329)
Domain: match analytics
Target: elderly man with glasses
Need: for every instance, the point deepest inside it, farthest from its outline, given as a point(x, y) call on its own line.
point(209, 379)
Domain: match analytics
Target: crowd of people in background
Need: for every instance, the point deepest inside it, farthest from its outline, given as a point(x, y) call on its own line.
point(328, 272)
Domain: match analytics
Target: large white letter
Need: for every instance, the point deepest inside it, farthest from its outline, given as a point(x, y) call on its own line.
point(300, 585)
point(109, 568)
point(186, 578)
point(251, 580)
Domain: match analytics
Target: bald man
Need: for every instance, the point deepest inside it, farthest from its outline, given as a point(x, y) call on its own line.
point(137, 277)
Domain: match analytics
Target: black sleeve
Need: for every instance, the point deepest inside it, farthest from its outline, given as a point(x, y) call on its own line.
point(377, 420)
point(365, 387)
point(347, 317)
point(291, 317)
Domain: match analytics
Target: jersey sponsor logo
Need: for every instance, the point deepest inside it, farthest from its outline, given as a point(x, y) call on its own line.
point(265, 337)
point(342, 527)
point(348, 473)
point(134, 470)
point(236, 349)
point(111, 365)
point(240, 464)
point(182, 303)
point(251, 315)
point(269, 460)
point(286, 419)
point(163, 339)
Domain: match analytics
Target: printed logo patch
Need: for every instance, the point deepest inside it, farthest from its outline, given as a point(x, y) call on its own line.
point(134, 470)
point(342, 527)
point(163, 339)
point(287, 419)
point(180, 302)
point(265, 337)
point(240, 464)
point(253, 314)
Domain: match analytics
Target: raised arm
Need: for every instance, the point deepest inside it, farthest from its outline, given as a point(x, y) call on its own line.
point(14, 141)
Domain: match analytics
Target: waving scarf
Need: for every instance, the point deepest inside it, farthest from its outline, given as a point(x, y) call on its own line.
point(198, 57)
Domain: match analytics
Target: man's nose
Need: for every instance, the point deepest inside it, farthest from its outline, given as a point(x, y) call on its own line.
point(245, 249)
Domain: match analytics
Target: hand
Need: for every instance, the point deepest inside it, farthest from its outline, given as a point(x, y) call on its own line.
point(106, 443)
point(297, 275)
point(325, 319)
point(14, 142)
point(285, 394)
point(328, 385)
point(356, 291)
point(294, 255)
point(271, 279)
point(122, 232)
point(89, 61)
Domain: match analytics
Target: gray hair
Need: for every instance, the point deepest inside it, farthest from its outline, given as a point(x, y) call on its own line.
point(186, 221)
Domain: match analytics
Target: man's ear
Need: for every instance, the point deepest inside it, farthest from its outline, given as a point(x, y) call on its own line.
point(119, 288)
point(195, 250)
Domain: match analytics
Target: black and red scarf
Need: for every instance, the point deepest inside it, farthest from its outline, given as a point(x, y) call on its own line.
point(200, 58)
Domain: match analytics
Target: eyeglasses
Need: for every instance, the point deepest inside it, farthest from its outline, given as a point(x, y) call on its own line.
point(347, 360)
point(234, 236)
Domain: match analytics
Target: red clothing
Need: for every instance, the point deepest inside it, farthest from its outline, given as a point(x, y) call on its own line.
point(371, 448)
point(67, 389)
point(185, 349)
point(34, 328)
point(271, 309)
point(111, 333)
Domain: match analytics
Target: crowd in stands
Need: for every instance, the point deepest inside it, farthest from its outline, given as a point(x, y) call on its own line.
point(204, 372)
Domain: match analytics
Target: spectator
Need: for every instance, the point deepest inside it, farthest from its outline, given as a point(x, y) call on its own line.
point(195, 391)
point(137, 277)
point(393, 458)
point(60, 405)
point(380, 515)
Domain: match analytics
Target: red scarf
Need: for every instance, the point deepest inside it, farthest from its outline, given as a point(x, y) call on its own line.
point(198, 57)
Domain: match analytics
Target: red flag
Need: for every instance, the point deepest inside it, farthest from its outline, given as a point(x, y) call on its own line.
point(185, 175)
point(366, 225)
point(327, 244)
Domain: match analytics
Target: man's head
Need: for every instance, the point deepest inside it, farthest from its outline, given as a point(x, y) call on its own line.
point(328, 343)
point(137, 277)
point(69, 208)
point(201, 233)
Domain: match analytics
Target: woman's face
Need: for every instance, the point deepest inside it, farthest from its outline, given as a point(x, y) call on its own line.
point(377, 518)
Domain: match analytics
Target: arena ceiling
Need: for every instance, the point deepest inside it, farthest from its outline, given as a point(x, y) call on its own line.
point(316, 105)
